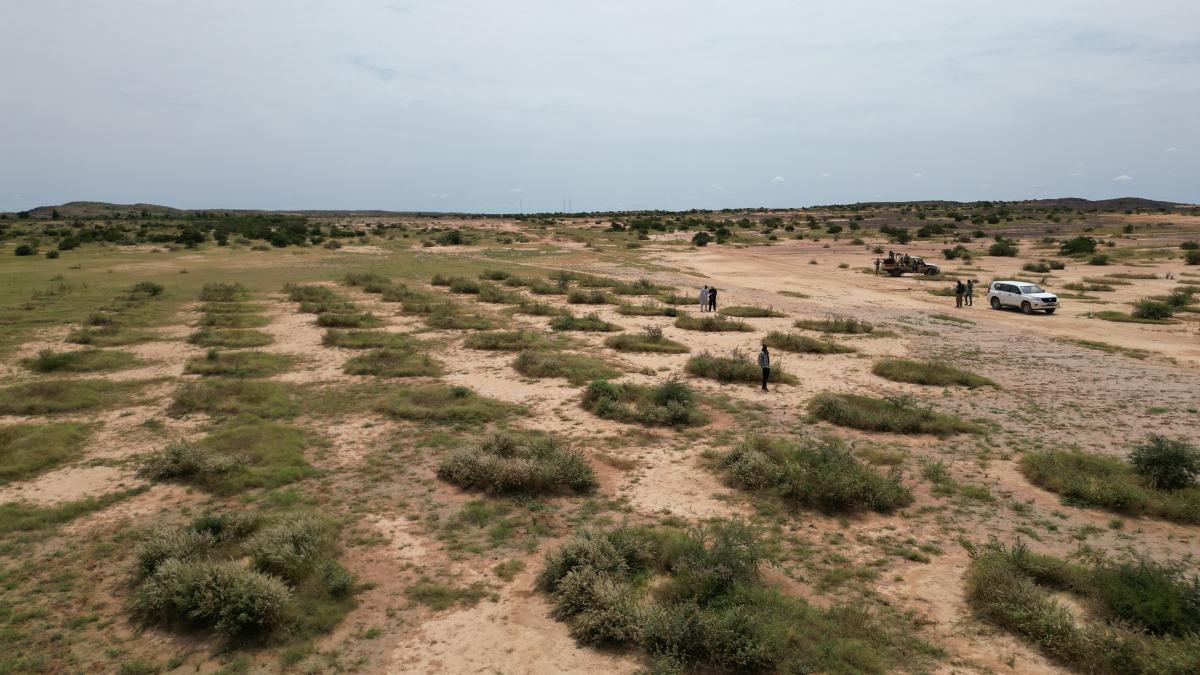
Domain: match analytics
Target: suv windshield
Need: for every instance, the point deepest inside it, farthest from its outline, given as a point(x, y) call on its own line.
point(1030, 288)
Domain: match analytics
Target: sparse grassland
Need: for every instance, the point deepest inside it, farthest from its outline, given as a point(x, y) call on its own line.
point(246, 453)
point(27, 450)
point(367, 339)
point(47, 397)
point(220, 396)
point(1110, 315)
point(530, 464)
point(1111, 348)
point(393, 363)
point(738, 366)
point(534, 308)
point(508, 341)
point(233, 320)
point(594, 297)
point(803, 344)
point(238, 364)
point(650, 340)
point(929, 373)
point(442, 403)
point(79, 361)
point(673, 299)
point(223, 292)
point(1153, 610)
point(695, 600)
point(576, 368)
point(647, 310)
point(835, 324)
point(711, 323)
point(901, 415)
point(229, 338)
point(818, 473)
point(750, 312)
point(670, 403)
point(25, 517)
point(452, 317)
point(591, 323)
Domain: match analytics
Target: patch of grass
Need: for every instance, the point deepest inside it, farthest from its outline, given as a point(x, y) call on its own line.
point(738, 366)
point(590, 323)
point(640, 287)
point(27, 450)
point(929, 373)
point(222, 292)
point(899, 415)
point(835, 324)
point(534, 308)
point(370, 282)
point(494, 294)
point(1109, 483)
point(750, 312)
point(1153, 610)
point(950, 318)
point(393, 363)
point(367, 339)
point(815, 473)
point(508, 569)
point(81, 361)
point(451, 317)
point(347, 320)
point(1109, 315)
point(58, 396)
point(218, 396)
point(230, 339)
point(25, 517)
point(793, 342)
point(650, 341)
point(576, 368)
point(233, 320)
point(238, 364)
point(526, 464)
point(712, 323)
point(670, 403)
point(647, 310)
point(694, 601)
point(671, 299)
point(1111, 348)
point(584, 297)
point(464, 286)
point(440, 597)
point(247, 453)
point(1130, 275)
point(441, 403)
point(508, 341)
point(1086, 287)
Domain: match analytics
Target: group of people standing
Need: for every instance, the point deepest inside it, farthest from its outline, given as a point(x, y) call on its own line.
point(708, 298)
point(964, 291)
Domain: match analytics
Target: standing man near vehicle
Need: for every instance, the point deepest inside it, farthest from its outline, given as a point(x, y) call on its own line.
point(764, 362)
point(970, 292)
point(959, 291)
point(704, 298)
point(877, 263)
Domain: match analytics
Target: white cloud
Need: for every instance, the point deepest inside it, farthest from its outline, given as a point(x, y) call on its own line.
point(717, 187)
point(1124, 177)
point(1075, 173)
point(918, 175)
point(826, 175)
point(516, 189)
point(439, 195)
point(777, 179)
point(1172, 149)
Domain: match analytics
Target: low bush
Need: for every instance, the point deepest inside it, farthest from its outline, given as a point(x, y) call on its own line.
point(1122, 317)
point(576, 368)
point(672, 299)
point(1110, 483)
point(930, 373)
point(393, 363)
point(82, 361)
point(347, 320)
point(1012, 589)
point(1078, 246)
point(1099, 259)
point(441, 403)
point(694, 601)
point(370, 282)
point(233, 320)
point(509, 341)
point(238, 364)
point(494, 275)
point(738, 366)
point(647, 310)
point(670, 403)
point(1192, 258)
point(219, 396)
point(1086, 287)
point(792, 342)
point(496, 295)
point(27, 450)
point(1038, 267)
point(897, 415)
point(367, 339)
point(1156, 310)
point(222, 292)
point(1166, 463)
point(230, 338)
point(582, 297)
point(1005, 248)
point(527, 464)
point(450, 317)
point(712, 323)
point(650, 340)
point(835, 324)
point(534, 308)
point(58, 396)
point(639, 287)
point(247, 453)
point(591, 323)
point(816, 473)
point(750, 312)
point(465, 286)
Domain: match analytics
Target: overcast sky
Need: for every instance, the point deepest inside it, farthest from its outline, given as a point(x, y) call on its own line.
point(620, 104)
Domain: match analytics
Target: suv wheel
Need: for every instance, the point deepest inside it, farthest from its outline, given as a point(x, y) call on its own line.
point(1050, 311)
point(1027, 308)
point(995, 302)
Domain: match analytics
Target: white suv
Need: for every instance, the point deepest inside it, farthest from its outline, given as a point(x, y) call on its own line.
point(1028, 297)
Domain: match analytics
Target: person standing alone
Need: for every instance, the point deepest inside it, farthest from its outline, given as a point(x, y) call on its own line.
point(704, 298)
point(764, 362)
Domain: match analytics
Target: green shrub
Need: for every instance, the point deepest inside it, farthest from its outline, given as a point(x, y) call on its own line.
point(836, 324)
point(1077, 246)
point(494, 275)
point(441, 403)
point(367, 339)
point(221, 292)
point(647, 310)
point(816, 473)
point(750, 312)
point(672, 299)
point(448, 317)
point(1003, 248)
point(465, 286)
point(1192, 258)
point(582, 297)
point(393, 363)
point(230, 339)
point(347, 320)
point(368, 281)
point(225, 596)
point(539, 309)
point(147, 288)
point(27, 450)
point(83, 361)
point(1152, 309)
point(311, 293)
point(591, 323)
point(929, 373)
point(739, 366)
point(217, 396)
point(293, 548)
point(528, 464)
point(58, 396)
point(639, 287)
point(650, 340)
point(711, 323)
point(1128, 318)
point(238, 364)
point(669, 403)
point(494, 294)
point(576, 368)
point(897, 415)
point(244, 454)
point(1099, 259)
point(1038, 267)
point(512, 341)
point(233, 320)
point(792, 342)
point(1165, 463)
